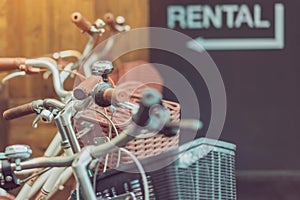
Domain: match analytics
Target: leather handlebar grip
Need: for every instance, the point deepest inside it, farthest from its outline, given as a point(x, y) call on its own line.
point(81, 22)
point(84, 89)
point(109, 19)
point(11, 63)
point(18, 111)
point(108, 94)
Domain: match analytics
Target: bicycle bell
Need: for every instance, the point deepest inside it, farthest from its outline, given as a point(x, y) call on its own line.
point(102, 68)
point(18, 151)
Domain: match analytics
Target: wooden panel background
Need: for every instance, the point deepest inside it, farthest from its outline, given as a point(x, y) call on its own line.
point(32, 28)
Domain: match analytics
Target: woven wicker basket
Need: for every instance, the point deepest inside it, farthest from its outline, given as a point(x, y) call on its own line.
point(141, 148)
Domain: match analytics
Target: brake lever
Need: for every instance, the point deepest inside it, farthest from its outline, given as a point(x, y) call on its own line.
point(98, 27)
point(35, 121)
point(44, 115)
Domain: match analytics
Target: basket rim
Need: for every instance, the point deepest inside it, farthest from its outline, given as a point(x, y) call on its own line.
point(208, 141)
point(173, 154)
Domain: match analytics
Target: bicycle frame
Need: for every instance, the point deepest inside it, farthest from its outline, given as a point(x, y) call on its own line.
point(81, 160)
point(66, 134)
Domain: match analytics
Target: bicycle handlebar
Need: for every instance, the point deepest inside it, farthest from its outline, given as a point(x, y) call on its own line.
point(117, 24)
point(85, 25)
point(18, 111)
point(32, 107)
point(29, 64)
point(142, 118)
point(103, 93)
point(53, 103)
point(83, 90)
point(81, 22)
point(148, 99)
point(7, 64)
point(50, 66)
point(109, 19)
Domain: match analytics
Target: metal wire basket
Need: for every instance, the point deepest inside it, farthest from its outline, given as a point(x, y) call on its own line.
point(200, 170)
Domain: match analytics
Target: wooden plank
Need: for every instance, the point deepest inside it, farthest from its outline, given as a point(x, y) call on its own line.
point(48, 34)
point(136, 15)
point(15, 47)
point(14, 30)
point(34, 27)
point(3, 40)
point(3, 26)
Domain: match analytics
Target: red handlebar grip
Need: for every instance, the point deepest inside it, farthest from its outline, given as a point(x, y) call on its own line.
point(81, 22)
point(84, 89)
point(18, 111)
point(11, 63)
point(108, 94)
point(109, 19)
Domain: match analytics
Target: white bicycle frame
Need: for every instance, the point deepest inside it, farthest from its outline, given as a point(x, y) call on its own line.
point(58, 178)
point(53, 179)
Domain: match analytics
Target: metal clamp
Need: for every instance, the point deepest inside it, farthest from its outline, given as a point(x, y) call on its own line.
point(16, 153)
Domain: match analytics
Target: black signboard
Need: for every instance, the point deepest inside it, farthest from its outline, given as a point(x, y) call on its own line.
point(255, 45)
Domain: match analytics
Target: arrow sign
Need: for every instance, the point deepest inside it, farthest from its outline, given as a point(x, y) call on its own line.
point(201, 44)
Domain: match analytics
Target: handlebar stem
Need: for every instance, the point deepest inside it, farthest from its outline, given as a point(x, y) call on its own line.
point(66, 126)
point(62, 131)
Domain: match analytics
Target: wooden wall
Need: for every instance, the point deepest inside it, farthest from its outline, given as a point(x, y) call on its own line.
point(31, 28)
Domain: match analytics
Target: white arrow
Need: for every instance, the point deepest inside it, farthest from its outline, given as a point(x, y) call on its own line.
point(201, 44)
